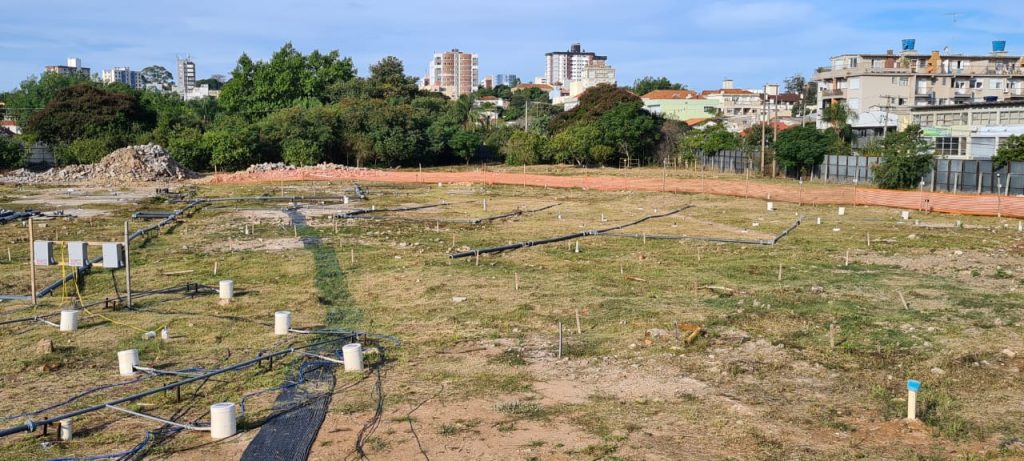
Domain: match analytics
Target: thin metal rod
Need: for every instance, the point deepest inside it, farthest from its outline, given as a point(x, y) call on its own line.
point(159, 420)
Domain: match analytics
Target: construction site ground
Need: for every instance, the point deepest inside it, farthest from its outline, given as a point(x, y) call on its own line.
point(804, 348)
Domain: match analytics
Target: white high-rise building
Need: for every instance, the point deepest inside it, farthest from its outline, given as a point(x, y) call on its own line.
point(123, 75)
point(186, 77)
point(565, 67)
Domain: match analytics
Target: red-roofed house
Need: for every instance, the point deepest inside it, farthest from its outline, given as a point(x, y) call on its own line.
point(681, 105)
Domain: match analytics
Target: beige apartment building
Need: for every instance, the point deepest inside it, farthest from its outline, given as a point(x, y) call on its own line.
point(893, 83)
point(970, 130)
point(595, 73)
point(453, 73)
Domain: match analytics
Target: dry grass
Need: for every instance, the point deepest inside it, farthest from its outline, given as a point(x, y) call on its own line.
point(763, 383)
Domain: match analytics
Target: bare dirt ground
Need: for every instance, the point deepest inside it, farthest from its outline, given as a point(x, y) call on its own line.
point(734, 185)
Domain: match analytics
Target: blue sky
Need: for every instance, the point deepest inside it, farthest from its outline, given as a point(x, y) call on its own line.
point(697, 43)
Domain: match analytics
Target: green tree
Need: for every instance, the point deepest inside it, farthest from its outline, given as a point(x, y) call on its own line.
point(648, 84)
point(186, 146)
point(906, 158)
point(89, 111)
point(839, 116)
point(523, 148)
point(212, 83)
point(580, 144)
point(464, 144)
point(1011, 150)
point(233, 144)
point(801, 147)
point(710, 139)
point(808, 92)
point(35, 93)
point(158, 75)
point(82, 151)
point(517, 105)
point(12, 152)
point(630, 129)
point(257, 88)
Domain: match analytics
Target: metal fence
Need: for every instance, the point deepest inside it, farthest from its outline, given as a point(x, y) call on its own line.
point(948, 175)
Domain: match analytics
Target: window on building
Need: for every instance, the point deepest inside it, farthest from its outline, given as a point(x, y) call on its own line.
point(947, 146)
point(985, 118)
point(1012, 117)
point(904, 81)
point(995, 84)
point(854, 83)
point(951, 119)
point(978, 84)
point(901, 102)
point(923, 120)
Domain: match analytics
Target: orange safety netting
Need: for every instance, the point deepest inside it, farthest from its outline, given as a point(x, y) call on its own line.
point(814, 194)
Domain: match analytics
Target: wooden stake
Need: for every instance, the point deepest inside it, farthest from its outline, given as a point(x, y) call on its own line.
point(869, 239)
point(478, 258)
point(517, 281)
point(127, 265)
point(645, 238)
point(8, 254)
point(579, 329)
point(903, 300)
point(215, 268)
point(832, 335)
point(780, 272)
point(559, 339)
point(32, 259)
point(352, 255)
point(698, 254)
point(295, 230)
point(847, 257)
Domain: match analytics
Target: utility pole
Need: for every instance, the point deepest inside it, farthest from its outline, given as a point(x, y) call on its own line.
point(887, 107)
point(527, 103)
point(764, 110)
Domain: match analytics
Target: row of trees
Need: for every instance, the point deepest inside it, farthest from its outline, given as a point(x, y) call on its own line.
point(309, 108)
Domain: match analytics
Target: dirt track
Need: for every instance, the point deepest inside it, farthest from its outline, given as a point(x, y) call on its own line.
point(816, 194)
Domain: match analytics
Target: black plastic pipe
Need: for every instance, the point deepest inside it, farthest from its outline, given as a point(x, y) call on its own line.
point(562, 238)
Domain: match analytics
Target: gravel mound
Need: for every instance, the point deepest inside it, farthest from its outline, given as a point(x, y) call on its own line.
point(144, 163)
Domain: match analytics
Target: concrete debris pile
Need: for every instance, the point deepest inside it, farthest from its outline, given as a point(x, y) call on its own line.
point(144, 163)
point(281, 166)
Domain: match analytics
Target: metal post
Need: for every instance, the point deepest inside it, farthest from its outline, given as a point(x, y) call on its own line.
point(32, 259)
point(127, 265)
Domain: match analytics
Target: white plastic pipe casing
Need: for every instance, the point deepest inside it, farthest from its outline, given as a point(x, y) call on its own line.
point(352, 354)
point(819, 220)
point(223, 423)
point(165, 334)
point(227, 290)
point(842, 211)
point(127, 361)
point(771, 206)
point(344, 200)
point(282, 322)
point(905, 215)
point(66, 433)
point(69, 320)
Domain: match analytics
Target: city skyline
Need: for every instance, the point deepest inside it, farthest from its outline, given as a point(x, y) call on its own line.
point(697, 44)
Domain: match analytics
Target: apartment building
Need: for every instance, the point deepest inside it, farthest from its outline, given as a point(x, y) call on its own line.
point(895, 83)
point(971, 130)
point(74, 67)
point(453, 73)
point(593, 74)
point(123, 75)
point(563, 67)
point(187, 78)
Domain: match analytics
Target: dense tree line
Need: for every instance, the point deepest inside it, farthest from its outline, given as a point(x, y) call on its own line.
point(309, 108)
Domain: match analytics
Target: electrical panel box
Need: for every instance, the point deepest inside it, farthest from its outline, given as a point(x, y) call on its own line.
point(113, 256)
point(43, 253)
point(78, 254)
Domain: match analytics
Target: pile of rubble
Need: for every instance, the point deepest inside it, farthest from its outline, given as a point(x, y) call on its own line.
point(144, 163)
point(281, 166)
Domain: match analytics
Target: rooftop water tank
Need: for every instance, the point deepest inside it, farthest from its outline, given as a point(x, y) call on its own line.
point(998, 46)
point(909, 44)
